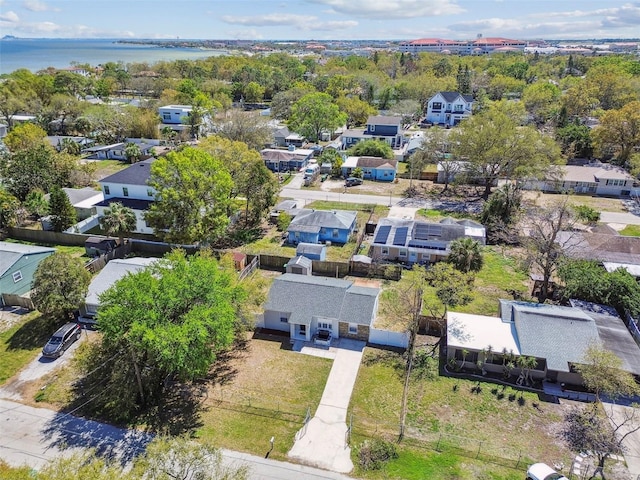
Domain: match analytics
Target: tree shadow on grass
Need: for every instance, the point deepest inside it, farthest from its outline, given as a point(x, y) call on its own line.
point(33, 334)
point(178, 412)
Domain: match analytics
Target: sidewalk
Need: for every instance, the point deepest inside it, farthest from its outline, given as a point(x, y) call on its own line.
point(322, 442)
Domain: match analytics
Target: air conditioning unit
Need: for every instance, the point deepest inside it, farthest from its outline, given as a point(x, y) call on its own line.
point(328, 243)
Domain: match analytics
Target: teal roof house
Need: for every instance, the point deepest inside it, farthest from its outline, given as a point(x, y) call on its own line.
point(18, 263)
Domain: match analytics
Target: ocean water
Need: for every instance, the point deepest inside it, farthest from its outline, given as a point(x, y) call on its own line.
point(37, 53)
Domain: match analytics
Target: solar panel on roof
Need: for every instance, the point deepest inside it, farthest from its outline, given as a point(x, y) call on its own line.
point(425, 230)
point(383, 234)
point(400, 238)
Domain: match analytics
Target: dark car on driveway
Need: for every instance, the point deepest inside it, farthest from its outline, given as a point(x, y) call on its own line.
point(351, 181)
point(61, 340)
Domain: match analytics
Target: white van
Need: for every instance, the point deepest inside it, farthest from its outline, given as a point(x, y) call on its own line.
point(542, 471)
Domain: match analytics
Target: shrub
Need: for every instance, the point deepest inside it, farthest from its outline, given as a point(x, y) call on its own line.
point(373, 454)
point(584, 213)
point(284, 219)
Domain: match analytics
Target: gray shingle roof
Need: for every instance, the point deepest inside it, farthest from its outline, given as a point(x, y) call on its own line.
point(341, 219)
point(384, 120)
point(10, 253)
point(559, 334)
point(452, 96)
point(112, 272)
point(310, 248)
point(136, 174)
point(598, 246)
point(305, 297)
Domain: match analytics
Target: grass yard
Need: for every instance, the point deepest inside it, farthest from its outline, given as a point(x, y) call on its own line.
point(265, 392)
point(104, 168)
point(21, 343)
point(491, 424)
point(631, 231)
point(74, 251)
point(601, 204)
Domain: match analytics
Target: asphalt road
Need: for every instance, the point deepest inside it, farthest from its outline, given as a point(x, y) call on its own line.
point(33, 436)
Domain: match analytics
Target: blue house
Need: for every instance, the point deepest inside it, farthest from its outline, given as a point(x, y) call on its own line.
point(373, 168)
point(18, 263)
point(293, 159)
point(379, 127)
point(319, 226)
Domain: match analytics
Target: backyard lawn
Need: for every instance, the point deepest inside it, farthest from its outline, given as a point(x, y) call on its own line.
point(265, 391)
point(74, 251)
point(21, 342)
point(505, 428)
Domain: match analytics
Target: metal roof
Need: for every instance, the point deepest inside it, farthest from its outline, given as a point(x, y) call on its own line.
point(305, 297)
point(310, 248)
point(10, 253)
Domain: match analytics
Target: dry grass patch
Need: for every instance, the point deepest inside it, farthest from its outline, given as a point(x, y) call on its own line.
point(601, 204)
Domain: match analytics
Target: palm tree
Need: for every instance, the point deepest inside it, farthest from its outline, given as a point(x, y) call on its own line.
point(466, 255)
point(118, 220)
point(132, 152)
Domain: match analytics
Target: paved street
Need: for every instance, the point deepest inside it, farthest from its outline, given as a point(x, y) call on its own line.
point(617, 217)
point(33, 436)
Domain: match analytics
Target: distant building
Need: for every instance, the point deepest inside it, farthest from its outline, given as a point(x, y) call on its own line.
point(449, 108)
point(478, 46)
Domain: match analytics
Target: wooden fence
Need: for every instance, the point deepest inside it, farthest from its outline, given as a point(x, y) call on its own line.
point(10, 299)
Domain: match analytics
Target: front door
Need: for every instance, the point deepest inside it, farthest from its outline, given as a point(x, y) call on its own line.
point(413, 257)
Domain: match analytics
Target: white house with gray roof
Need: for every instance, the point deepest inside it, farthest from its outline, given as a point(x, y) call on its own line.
point(592, 179)
point(301, 305)
point(413, 241)
point(449, 108)
point(557, 336)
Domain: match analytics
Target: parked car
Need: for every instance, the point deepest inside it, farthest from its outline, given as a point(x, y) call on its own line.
point(61, 340)
point(542, 471)
point(351, 181)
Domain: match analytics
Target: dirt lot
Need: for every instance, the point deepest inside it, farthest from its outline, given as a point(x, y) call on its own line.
point(601, 204)
point(369, 187)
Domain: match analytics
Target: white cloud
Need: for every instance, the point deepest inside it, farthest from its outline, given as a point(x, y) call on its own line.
point(384, 9)
point(299, 22)
point(38, 6)
point(9, 17)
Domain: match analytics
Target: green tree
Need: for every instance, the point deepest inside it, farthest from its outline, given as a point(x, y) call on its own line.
point(193, 191)
point(8, 209)
point(314, 114)
point(357, 111)
point(618, 133)
point(36, 203)
point(433, 151)
point(494, 147)
point(541, 100)
point(575, 140)
point(170, 320)
point(118, 220)
point(501, 212)
point(60, 285)
point(132, 152)
point(247, 127)
point(283, 101)
point(452, 287)
point(63, 214)
point(371, 148)
point(25, 137)
point(466, 255)
point(253, 92)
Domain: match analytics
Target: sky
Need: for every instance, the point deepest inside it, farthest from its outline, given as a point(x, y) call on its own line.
point(320, 19)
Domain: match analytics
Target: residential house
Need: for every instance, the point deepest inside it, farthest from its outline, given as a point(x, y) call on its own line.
point(316, 226)
point(129, 187)
point(84, 200)
point(373, 168)
point(449, 108)
point(18, 263)
point(413, 241)
point(117, 151)
point(379, 127)
point(558, 337)
point(175, 114)
point(293, 159)
point(280, 134)
point(312, 251)
point(301, 305)
point(57, 141)
point(290, 207)
point(113, 271)
point(612, 249)
point(592, 179)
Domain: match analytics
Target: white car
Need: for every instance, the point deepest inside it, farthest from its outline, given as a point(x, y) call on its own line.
point(542, 471)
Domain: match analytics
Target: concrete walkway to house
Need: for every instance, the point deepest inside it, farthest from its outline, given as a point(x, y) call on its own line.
point(322, 442)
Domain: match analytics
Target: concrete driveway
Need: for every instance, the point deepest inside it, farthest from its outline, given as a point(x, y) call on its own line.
point(322, 442)
point(618, 217)
point(38, 368)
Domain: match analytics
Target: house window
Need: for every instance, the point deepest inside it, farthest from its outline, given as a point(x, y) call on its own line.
point(402, 253)
point(324, 325)
point(385, 251)
point(284, 319)
point(125, 191)
point(372, 128)
point(458, 108)
point(336, 233)
point(323, 231)
point(150, 192)
point(436, 106)
point(17, 276)
point(106, 190)
point(353, 328)
point(166, 116)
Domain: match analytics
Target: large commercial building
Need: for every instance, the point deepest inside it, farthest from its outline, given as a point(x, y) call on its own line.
point(478, 46)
